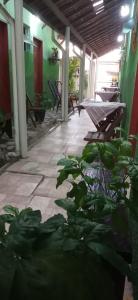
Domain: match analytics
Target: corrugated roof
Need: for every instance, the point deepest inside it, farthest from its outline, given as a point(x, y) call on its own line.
point(97, 31)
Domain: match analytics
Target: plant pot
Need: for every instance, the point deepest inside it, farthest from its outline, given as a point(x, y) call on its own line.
point(40, 115)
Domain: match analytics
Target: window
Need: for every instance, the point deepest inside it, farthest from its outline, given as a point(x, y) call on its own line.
point(27, 38)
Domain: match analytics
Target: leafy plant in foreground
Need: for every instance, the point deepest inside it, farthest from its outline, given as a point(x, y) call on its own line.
point(68, 257)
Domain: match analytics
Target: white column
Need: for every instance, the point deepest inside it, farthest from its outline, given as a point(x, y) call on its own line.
point(15, 92)
point(66, 73)
point(91, 77)
point(96, 75)
point(19, 42)
point(82, 73)
point(63, 84)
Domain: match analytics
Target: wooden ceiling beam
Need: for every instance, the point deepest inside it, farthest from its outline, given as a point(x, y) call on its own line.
point(114, 4)
point(83, 10)
point(74, 4)
point(106, 49)
point(98, 24)
point(104, 28)
point(58, 13)
point(105, 34)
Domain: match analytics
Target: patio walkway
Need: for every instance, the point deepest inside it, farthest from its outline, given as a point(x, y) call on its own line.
point(32, 181)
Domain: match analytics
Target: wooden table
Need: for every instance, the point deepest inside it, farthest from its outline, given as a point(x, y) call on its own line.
point(101, 113)
point(106, 96)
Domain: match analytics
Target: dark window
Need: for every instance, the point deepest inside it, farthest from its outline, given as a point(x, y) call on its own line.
point(27, 39)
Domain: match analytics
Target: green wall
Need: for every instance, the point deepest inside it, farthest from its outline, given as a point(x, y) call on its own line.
point(128, 72)
point(42, 32)
point(129, 67)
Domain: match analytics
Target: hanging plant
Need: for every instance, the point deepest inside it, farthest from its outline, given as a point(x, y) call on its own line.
point(54, 56)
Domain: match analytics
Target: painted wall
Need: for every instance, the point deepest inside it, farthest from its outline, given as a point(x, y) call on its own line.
point(128, 76)
point(42, 32)
point(129, 67)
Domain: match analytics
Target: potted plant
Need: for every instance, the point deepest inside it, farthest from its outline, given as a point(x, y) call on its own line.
point(76, 256)
point(54, 56)
point(100, 183)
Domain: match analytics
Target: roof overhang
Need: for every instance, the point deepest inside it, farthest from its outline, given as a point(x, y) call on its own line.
point(98, 32)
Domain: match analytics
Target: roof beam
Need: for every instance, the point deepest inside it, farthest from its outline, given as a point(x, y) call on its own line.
point(73, 5)
point(105, 34)
point(85, 10)
point(114, 4)
point(104, 27)
point(99, 23)
point(54, 8)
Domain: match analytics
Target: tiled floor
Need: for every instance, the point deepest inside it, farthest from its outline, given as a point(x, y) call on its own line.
point(32, 181)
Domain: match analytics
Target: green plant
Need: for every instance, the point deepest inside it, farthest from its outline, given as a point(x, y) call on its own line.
point(68, 257)
point(55, 52)
point(56, 258)
point(114, 157)
point(73, 67)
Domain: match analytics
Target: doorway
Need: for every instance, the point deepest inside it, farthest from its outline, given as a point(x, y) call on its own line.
point(38, 67)
point(5, 97)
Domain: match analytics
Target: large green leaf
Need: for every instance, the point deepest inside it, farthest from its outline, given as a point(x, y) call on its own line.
point(11, 210)
point(53, 223)
point(64, 174)
point(67, 204)
point(126, 148)
point(66, 162)
point(78, 192)
point(90, 153)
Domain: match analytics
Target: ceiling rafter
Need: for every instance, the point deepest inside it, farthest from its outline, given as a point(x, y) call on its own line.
point(98, 32)
point(106, 12)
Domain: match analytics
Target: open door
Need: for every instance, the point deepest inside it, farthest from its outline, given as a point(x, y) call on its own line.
point(38, 67)
point(134, 113)
point(5, 98)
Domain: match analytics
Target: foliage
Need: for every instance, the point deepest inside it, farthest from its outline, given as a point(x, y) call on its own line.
point(103, 198)
point(56, 258)
point(68, 257)
point(54, 52)
point(73, 66)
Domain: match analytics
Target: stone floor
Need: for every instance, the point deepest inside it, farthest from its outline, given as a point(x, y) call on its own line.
point(32, 181)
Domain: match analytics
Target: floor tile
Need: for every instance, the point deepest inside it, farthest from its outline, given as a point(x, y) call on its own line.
point(18, 184)
point(48, 189)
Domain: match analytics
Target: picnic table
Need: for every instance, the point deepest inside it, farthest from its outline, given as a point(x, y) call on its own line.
point(105, 115)
point(106, 95)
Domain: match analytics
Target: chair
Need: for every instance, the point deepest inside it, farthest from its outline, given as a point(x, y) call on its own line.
point(109, 133)
point(114, 98)
point(38, 111)
point(55, 92)
point(73, 98)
